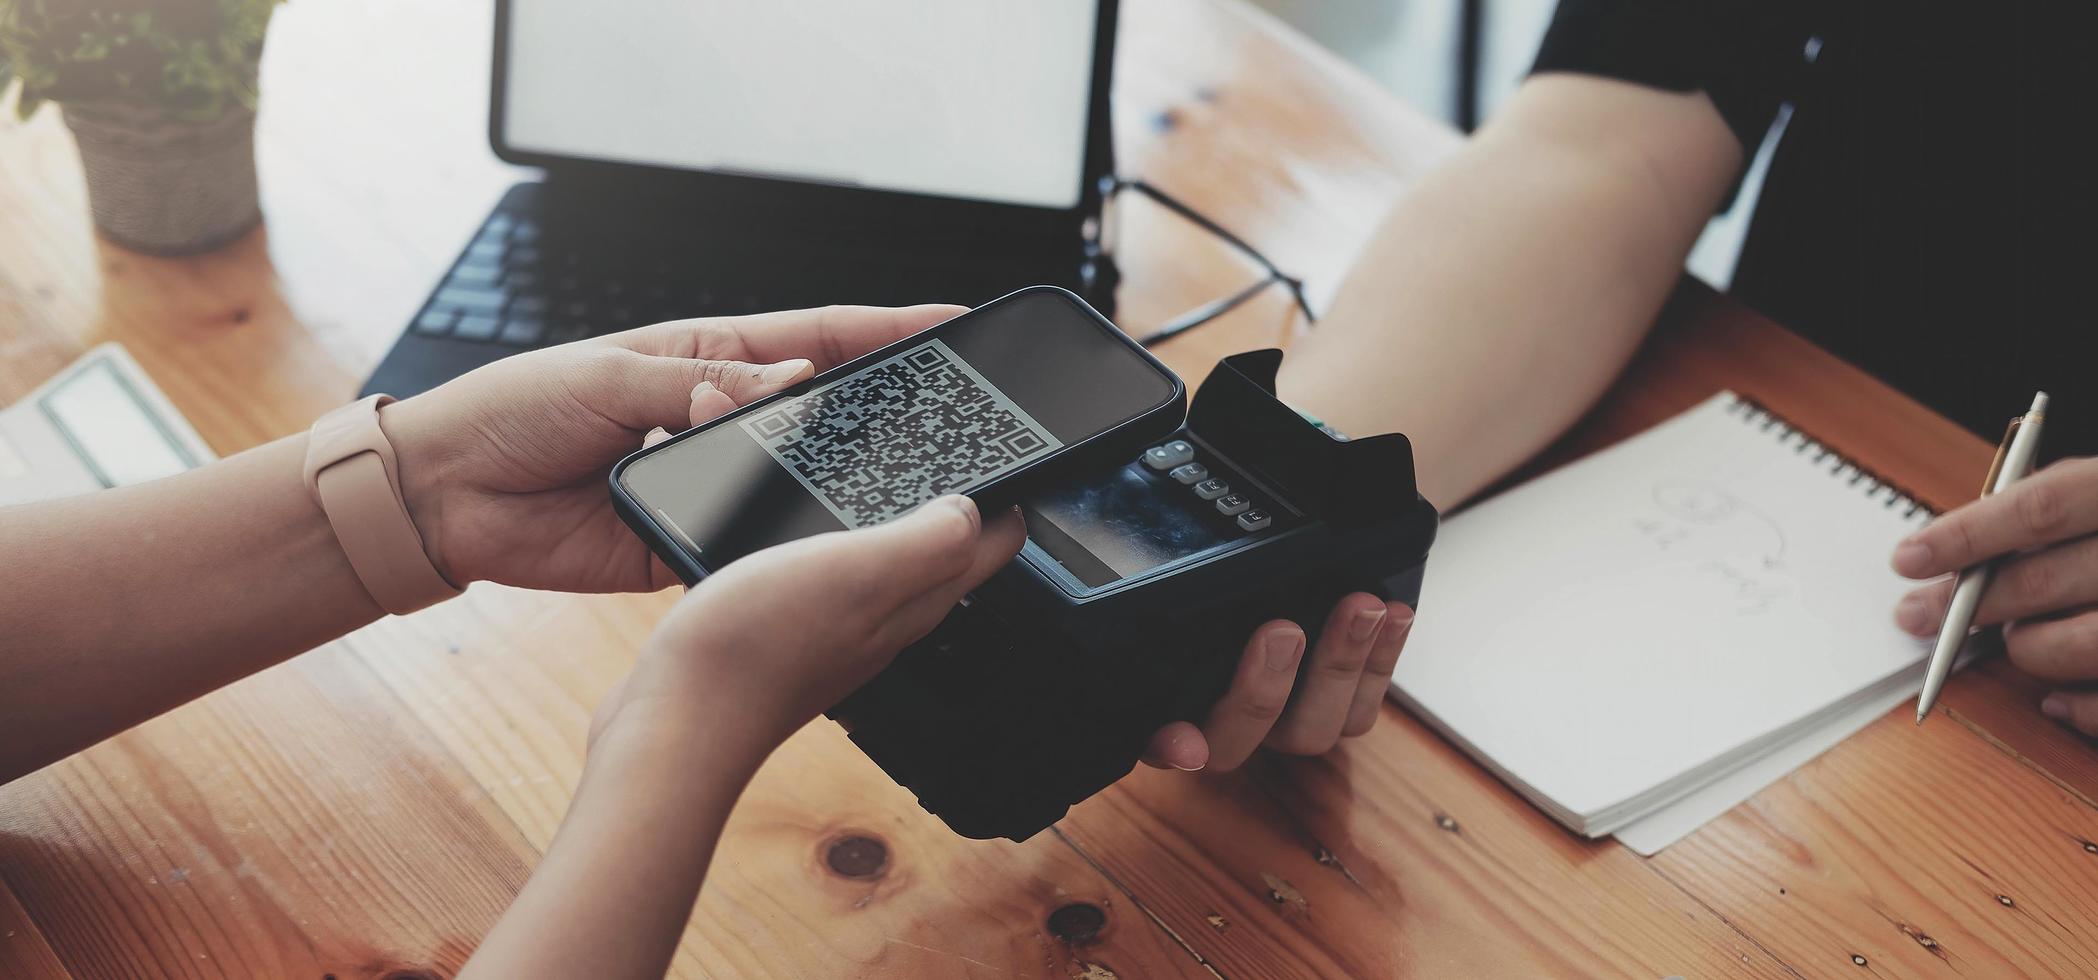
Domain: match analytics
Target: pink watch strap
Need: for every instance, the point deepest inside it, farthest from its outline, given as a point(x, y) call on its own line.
point(352, 474)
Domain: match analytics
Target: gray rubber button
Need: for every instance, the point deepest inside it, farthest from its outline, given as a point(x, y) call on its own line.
point(1176, 453)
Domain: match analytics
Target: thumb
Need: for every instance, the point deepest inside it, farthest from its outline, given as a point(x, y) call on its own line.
point(708, 403)
point(742, 382)
point(664, 390)
point(924, 548)
point(882, 567)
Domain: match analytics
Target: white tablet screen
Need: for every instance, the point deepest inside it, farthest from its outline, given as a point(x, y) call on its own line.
point(976, 99)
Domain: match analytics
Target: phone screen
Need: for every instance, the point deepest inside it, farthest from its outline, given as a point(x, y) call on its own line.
point(950, 410)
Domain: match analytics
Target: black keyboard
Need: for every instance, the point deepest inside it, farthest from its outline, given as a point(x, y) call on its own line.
point(512, 286)
point(518, 286)
point(536, 275)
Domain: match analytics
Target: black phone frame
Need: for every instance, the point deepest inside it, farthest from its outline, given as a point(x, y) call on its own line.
point(1119, 442)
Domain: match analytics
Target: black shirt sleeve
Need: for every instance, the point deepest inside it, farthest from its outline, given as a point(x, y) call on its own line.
point(1747, 55)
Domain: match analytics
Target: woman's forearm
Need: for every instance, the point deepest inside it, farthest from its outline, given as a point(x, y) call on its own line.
point(118, 605)
point(613, 894)
point(751, 655)
point(1510, 285)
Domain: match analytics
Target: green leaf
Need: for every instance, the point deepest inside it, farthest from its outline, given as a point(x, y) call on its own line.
point(195, 57)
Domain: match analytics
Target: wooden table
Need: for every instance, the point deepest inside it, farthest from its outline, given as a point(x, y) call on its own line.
point(367, 809)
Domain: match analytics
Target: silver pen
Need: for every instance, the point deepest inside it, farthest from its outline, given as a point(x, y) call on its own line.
point(2013, 461)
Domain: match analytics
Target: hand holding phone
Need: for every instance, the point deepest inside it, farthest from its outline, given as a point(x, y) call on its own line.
point(879, 590)
point(992, 404)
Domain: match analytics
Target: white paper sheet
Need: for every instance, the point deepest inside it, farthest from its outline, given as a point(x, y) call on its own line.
point(1649, 834)
point(1697, 602)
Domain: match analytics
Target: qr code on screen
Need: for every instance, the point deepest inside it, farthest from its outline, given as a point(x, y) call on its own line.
point(874, 444)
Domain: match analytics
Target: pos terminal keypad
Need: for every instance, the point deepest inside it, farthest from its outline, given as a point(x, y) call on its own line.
point(1177, 460)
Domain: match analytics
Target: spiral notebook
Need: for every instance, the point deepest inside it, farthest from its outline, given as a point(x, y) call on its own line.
point(1645, 637)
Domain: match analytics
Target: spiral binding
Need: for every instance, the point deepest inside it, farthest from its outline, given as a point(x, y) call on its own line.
point(1876, 487)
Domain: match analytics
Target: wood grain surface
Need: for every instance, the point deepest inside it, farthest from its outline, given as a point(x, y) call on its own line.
point(1909, 850)
point(366, 810)
point(23, 951)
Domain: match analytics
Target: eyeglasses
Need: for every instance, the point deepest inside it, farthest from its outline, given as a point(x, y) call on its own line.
point(1113, 186)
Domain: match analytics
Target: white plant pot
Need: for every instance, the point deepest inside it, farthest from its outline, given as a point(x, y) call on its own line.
point(164, 185)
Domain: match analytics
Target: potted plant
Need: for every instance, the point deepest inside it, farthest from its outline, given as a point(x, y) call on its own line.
point(160, 95)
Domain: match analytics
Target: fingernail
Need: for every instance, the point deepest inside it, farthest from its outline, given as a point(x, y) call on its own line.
point(793, 369)
point(1913, 615)
point(1365, 624)
point(1182, 768)
point(1283, 649)
point(2056, 707)
point(1912, 557)
point(702, 388)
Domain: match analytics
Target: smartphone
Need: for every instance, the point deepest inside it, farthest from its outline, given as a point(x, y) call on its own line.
point(994, 403)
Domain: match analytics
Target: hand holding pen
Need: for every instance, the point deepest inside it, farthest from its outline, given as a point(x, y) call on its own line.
point(2039, 536)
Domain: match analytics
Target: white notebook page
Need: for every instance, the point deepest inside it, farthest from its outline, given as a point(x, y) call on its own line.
point(1637, 615)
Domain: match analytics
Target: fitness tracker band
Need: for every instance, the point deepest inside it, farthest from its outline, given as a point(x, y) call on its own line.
point(352, 473)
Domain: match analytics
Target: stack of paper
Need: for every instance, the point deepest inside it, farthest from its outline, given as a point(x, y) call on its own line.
point(1647, 636)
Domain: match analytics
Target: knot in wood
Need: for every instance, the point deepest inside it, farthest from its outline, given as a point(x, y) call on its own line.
point(1078, 923)
point(857, 856)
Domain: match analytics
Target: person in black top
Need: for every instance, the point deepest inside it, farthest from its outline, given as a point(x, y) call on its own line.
point(1930, 205)
point(1929, 210)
